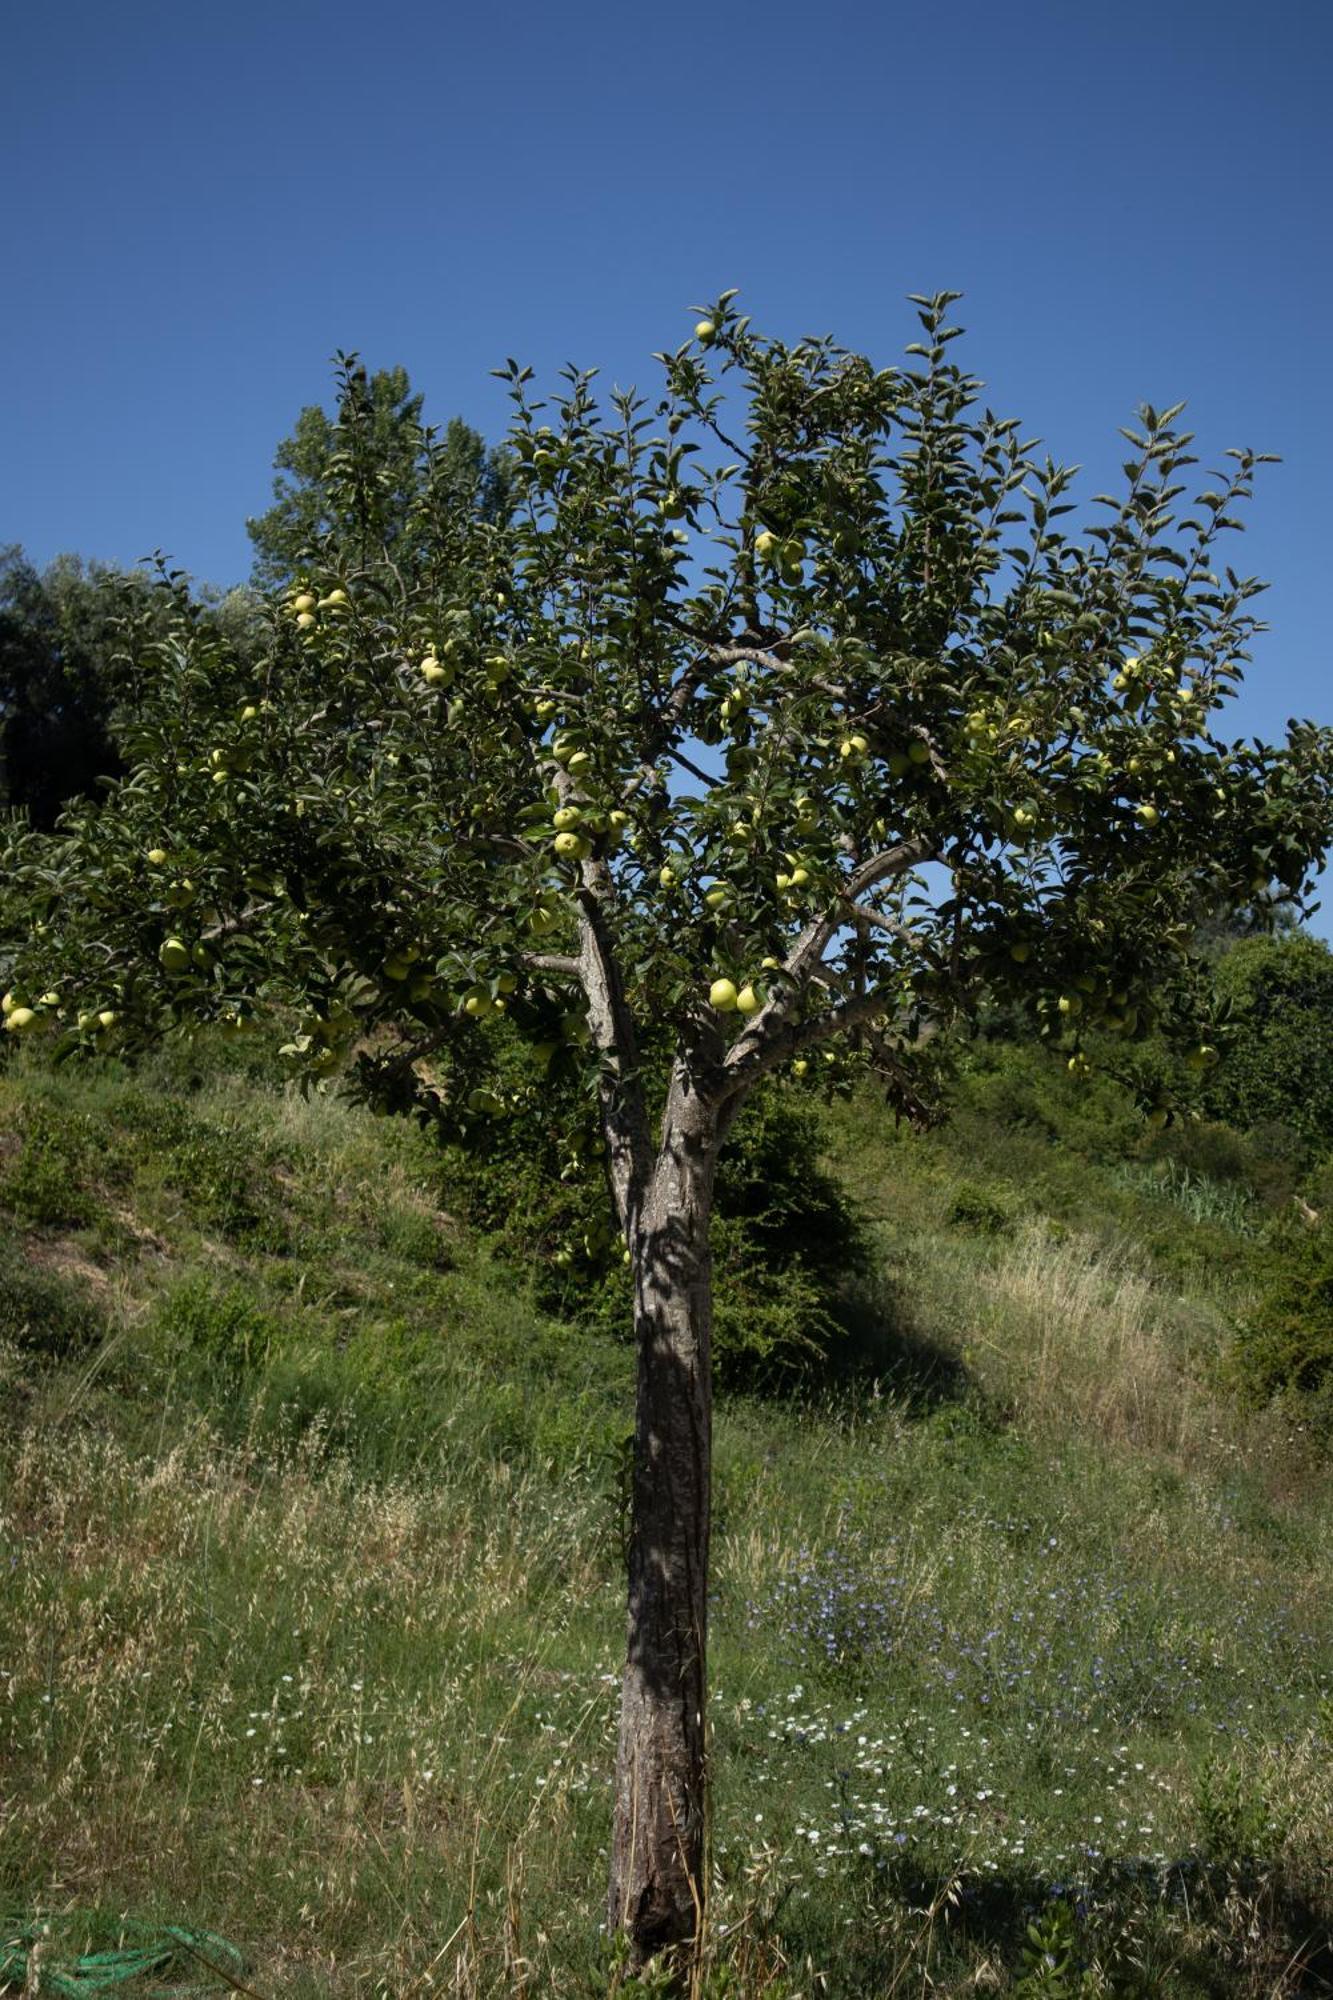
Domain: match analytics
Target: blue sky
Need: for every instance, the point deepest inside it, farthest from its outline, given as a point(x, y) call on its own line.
point(203, 201)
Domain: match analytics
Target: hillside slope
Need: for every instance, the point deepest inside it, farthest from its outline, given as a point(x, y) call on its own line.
point(312, 1602)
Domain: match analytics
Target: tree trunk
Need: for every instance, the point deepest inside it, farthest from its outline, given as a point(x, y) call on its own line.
point(658, 1861)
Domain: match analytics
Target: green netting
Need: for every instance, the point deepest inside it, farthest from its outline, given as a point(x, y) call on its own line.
point(194, 1961)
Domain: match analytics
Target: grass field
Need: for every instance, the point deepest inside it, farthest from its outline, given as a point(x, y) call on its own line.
point(311, 1576)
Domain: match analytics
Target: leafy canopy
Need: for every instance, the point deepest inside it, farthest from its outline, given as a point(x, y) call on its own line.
point(782, 704)
point(370, 483)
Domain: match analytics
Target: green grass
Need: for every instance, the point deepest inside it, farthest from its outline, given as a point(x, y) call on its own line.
point(311, 1574)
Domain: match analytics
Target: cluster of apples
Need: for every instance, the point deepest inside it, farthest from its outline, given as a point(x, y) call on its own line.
point(783, 553)
point(305, 607)
point(21, 1019)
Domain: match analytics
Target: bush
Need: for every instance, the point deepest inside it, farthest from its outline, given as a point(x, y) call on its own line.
point(43, 1313)
point(1283, 1350)
point(46, 1180)
point(1279, 1062)
point(787, 1242)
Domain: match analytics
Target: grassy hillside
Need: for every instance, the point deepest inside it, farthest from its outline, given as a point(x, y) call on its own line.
point(311, 1580)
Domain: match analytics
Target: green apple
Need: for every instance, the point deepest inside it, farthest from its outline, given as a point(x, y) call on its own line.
point(157, 855)
point(718, 896)
point(667, 877)
point(571, 846)
point(747, 1000)
point(853, 748)
point(1020, 952)
point(579, 764)
point(397, 965)
point(477, 1003)
point(1069, 1004)
point(918, 751)
point(107, 1018)
point(20, 1020)
point(705, 331)
point(435, 673)
point(174, 954)
point(304, 604)
point(566, 817)
point(305, 620)
point(800, 1066)
point(1149, 815)
point(338, 597)
point(544, 710)
point(507, 983)
point(767, 546)
point(723, 996)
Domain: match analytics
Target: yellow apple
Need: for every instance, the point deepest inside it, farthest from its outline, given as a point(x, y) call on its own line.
point(723, 996)
point(767, 546)
point(304, 604)
point(20, 1020)
point(305, 620)
point(747, 1000)
point(667, 877)
point(800, 1066)
point(107, 1018)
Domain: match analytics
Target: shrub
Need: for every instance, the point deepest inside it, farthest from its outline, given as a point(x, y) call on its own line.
point(46, 1181)
point(787, 1242)
point(44, 1313)
point(1284, 1348)
point(1279, 1062)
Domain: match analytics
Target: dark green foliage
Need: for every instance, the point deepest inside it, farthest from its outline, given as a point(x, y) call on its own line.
point(72, 645)
point(787, 1243)
point(221, 1325)
point(1284, 1348)
point(43, 1312)
point(47, 1166)
point(57, 686)
point(371, 482)
point(1279, 1058)
point(975, 1207)
point(215, 1169)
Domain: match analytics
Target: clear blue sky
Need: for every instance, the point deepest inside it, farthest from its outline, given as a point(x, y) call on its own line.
point(204, 200)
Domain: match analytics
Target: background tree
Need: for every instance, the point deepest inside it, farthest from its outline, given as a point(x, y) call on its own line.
point(58, 684)
point(69, 640)
point(1280, 1058)
point(370, 480)
point(778, 725)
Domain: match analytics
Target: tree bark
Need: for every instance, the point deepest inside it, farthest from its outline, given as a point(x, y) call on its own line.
point(658, 1857)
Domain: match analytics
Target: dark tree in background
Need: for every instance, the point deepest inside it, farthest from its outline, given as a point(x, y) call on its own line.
point(371, 481)
point(57, 684)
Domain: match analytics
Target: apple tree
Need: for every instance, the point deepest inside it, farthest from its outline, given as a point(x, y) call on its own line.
point(784, 714)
